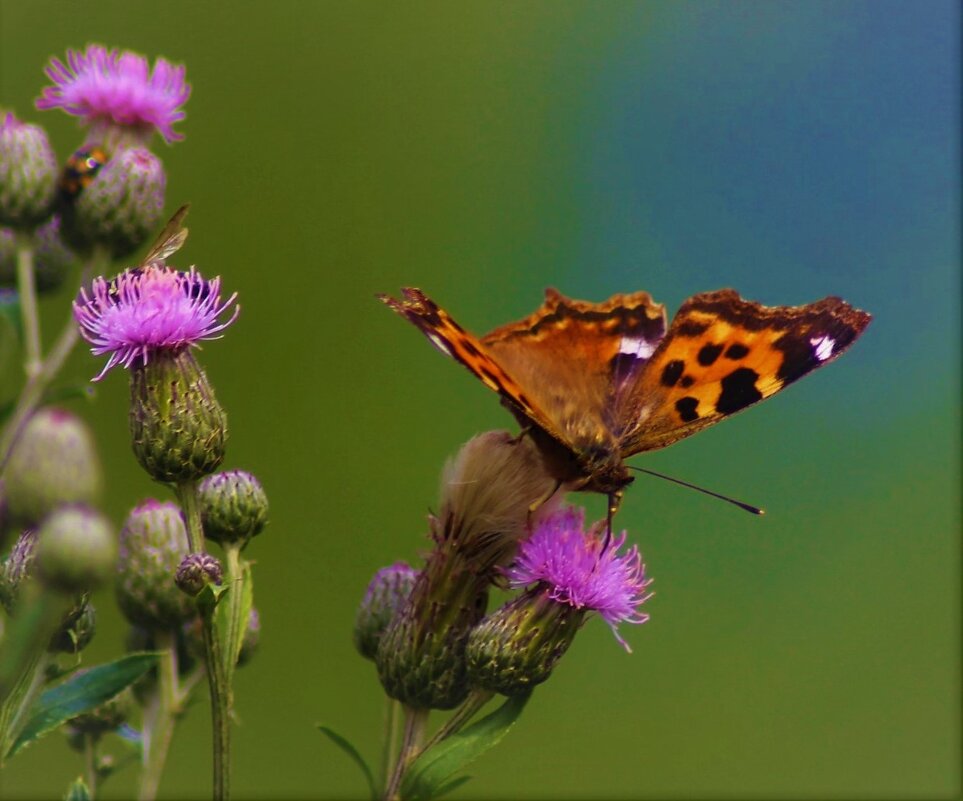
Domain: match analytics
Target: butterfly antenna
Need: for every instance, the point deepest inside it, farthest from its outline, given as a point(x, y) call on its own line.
point(745, 506)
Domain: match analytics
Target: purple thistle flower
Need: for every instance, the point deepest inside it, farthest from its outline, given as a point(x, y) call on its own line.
point(104, 86)
point(578, 568)
point(149, 309)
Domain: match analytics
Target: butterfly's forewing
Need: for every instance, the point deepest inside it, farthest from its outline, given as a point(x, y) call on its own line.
point(451, 339)
point(170, 240)
point(572, 357)
point(721, 355)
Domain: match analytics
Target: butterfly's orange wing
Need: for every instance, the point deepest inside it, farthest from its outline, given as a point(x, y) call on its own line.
point(723, 354)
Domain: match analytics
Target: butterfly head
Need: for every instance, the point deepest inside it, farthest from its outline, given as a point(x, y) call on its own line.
point(601, 462)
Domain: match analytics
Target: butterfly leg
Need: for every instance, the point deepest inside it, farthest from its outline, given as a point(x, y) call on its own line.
point(536, 505)
point(615, 501)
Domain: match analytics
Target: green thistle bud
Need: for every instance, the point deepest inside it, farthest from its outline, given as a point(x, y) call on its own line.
point(76, 549)
point(488, 492)
point(153, 542)
point(77, 629)
point(54, 462)
point(106, 717)
point(177, 427)
point(233, 507)
point(517, 646)
point(386, 594)
point(251, 639)
point(28, 174)
point(121, 207)
point(196, 571)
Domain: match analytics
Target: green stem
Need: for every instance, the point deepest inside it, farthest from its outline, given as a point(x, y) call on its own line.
point(217, 678)
point(27, 290)
point(158, 738)
point(187, 497)
point(90, 764)
point(416, 722)
point(390, 743)
point(474, 702)
point(37, 382)
point(220, 711)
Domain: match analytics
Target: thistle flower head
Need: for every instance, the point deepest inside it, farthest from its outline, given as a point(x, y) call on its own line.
point(149, 309)
point(386, 594)
point(578, 568)
point(118, 89)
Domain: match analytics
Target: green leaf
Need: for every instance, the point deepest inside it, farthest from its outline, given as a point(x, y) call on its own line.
point(354, 755)
point(431, 774)
point(451, 786)
point(81, 693)
point(208, 598)
point(232, 632)
point(77, 791)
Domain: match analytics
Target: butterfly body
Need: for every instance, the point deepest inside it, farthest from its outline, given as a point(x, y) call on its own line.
point(595, 383)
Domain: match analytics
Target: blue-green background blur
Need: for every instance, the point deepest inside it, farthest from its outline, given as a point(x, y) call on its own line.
point(484, 151)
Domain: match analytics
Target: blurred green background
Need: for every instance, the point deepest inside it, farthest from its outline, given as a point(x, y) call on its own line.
point(483, 151)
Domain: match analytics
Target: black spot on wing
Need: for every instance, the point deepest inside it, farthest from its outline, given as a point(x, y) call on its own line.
point(469, 346)
point(708, 354)
point(737, 351)
point(686, 407)
point(738, 390)
point(691, 328)
point(623, 365)
point(672, 372)
point(686, 381)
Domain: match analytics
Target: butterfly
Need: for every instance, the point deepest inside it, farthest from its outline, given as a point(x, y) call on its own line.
point(596, 383)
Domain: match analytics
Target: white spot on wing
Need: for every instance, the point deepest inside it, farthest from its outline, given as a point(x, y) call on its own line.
point(438, 342)
point(822, 347)
point(636, 346)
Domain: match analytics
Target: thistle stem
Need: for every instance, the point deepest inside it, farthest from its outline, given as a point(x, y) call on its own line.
point(416, 722)
point(217, 677)
point(32, 392)
point(90, 764)
point(390, 744)
point(474, 702)
point(168, 708)
point(27, 289)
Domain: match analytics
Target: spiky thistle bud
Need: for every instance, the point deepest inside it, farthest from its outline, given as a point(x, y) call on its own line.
point(77, 629)
point(76, 549)
point(234, 507)
point(386, 594)
point(196, 571)
point(28, 174)
point(153, 542)
point(53, 462)
point(121, 206)
point(569, 573)
point(177, 427)
point(488, 493)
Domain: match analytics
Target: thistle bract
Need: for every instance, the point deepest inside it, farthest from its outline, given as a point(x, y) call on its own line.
point(28, 174)
point(118, 93)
